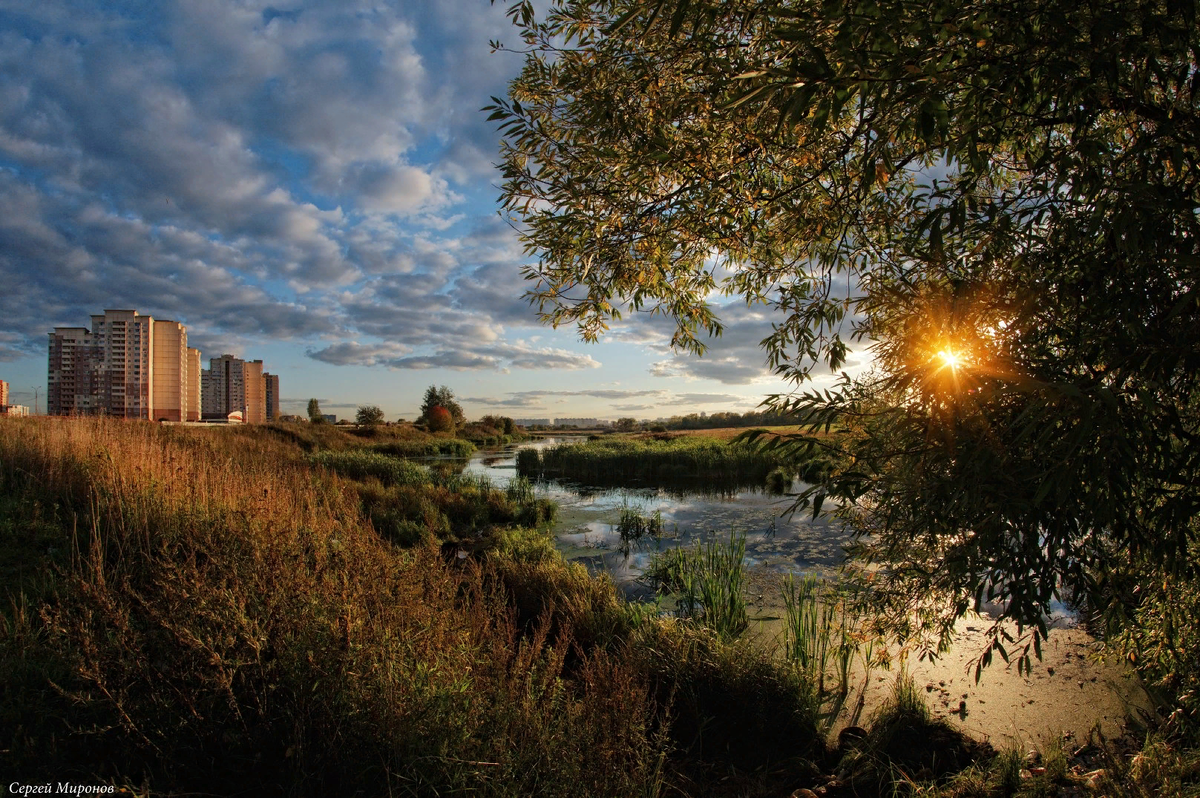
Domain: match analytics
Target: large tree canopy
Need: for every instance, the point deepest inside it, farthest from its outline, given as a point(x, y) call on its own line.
point(998, 197)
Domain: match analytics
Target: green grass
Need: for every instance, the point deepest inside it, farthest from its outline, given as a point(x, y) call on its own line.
point(708, 581)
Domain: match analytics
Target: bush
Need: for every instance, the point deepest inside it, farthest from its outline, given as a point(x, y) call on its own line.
point(439, 419)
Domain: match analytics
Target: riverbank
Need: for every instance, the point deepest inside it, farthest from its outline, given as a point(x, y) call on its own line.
point(1068, 693)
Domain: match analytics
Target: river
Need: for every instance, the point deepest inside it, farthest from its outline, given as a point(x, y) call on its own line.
point(1067, 693)
point(585, 527)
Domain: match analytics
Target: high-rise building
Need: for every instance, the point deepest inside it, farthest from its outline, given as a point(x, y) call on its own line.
point(128, 365)
point(193, 384)
point(271, 385)
point(232, 385)
point(3, 395)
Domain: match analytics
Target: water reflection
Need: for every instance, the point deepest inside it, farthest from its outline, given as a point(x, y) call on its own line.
point(586, 526)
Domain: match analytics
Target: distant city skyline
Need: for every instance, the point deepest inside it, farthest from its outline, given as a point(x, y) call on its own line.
point(310, 185)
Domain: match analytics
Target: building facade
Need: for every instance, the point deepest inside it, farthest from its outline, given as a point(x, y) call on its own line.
point(271, 388)
point(127, 365)
point(232, 385)
point(3, 395)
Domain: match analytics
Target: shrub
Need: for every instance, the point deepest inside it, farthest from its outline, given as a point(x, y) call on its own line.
point(439, 419)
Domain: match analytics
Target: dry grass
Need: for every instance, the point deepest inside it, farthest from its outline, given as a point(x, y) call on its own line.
point(224, 617)
point(204, 611)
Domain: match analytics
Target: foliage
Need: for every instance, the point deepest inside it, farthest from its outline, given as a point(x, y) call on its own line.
point(441, 397)
point(1000, 196)
point(439, 419)
point(622, 461)
point(369, 416)
point(314, 412)
point(627, 424)
point(708, 579)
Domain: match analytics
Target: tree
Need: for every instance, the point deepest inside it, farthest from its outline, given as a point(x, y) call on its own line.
point(999, 198)
point(369, 416)
point(314, 412)
point(441, 397)
point(625, 424)
point(439, 419)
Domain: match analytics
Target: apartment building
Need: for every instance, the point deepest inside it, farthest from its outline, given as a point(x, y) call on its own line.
point(271, 387)
point(3, 395)
point(232, 385)
point(127, 365)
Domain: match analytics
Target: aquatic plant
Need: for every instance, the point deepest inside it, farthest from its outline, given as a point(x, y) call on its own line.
point(633, 526)
point(822, 635)
point(677, 461)
point(708, 580)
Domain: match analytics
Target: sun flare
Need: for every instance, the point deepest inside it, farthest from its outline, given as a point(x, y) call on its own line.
point(950, 359)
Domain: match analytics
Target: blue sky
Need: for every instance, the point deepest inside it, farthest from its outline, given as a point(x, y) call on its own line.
point(312, 184)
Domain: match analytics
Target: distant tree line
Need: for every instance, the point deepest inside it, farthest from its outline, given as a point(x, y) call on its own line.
point(751, 418)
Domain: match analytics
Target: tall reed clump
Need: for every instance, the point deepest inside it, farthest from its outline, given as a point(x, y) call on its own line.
point(822, 633)
point(223, 620)
point(708, 579)
point(618, 461)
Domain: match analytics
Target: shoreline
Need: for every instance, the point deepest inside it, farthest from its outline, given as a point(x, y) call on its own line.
point(1064, 696)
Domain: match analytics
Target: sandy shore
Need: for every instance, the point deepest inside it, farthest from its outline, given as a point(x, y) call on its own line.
point(1068, 692)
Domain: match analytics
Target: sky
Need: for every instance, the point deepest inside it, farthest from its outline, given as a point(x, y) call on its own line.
point(312, 184)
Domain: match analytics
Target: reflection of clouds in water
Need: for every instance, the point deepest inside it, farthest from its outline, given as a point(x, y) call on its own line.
point(585, 525)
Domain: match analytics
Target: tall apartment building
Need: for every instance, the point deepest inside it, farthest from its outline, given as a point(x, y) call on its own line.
point(271, 387)
point(127, 365)
point(3, 395)
point(232, 385)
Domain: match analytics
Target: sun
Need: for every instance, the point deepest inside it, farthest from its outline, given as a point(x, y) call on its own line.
point(950, 359)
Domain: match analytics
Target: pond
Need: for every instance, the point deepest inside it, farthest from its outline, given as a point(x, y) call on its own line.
point(585, 528)
point(1068, 693)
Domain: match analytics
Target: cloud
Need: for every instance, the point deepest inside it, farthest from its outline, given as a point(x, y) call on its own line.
point(245, 170)
point(354, 353)
point(492, 357)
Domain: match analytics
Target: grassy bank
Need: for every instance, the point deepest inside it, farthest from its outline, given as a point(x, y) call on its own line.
point(685, 460)
point(209, 611)
point(225, 612)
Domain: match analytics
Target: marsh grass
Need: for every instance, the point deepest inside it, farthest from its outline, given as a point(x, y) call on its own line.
point(225, 620)
point(824, 634)
point(906, 747)
point(708, 579)
point(677, 461)
point(428, 447)
point(633, 526)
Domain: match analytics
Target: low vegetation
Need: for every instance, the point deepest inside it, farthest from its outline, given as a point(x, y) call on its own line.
point(236, 610)
point(662, 462)
point(212, 611)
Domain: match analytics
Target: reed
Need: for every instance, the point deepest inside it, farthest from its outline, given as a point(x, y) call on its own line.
point(708, 579)
point(211, 611)
point(633, 526)
point(678, 461)
point(430, 447)
point(824, 634)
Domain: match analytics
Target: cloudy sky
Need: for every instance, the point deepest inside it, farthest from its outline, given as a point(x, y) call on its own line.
point(306, 183)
